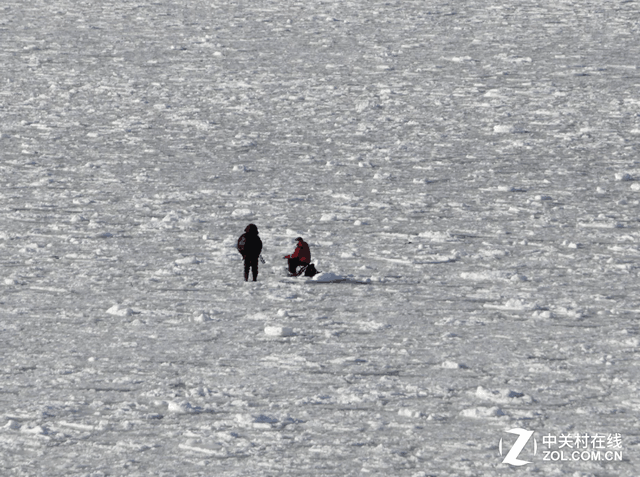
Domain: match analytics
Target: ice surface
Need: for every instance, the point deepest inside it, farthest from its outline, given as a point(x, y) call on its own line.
point(466, 174)
point(278, 331)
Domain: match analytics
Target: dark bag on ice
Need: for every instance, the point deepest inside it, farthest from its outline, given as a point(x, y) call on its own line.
point(310, 270)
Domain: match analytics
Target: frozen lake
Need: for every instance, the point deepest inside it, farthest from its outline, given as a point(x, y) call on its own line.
point(466, 174)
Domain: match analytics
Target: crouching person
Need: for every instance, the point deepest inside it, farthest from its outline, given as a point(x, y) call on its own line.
point(300, 256)
point(250, 247)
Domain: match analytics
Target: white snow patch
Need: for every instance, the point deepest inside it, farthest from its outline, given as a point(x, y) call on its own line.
point(506, 188)
point(201, 317)
point(411, 413)
point(180, 407)
point(209, 448)
point(282, 331)
point(241, 213)
point(453, 365)
point(171, 217)
point(381, 176)
point(36, 430)
point(187, 261)
point(503, 128)
point(260, 316)
point(492, 275)
point(372, 325)
point(118, 310)
point(256, 421)
point(514, 304)
point(603, 224)
point(12, 425)
point(293, 233)
point(328, 277)
point(542, 314)
point(482, 412)
point(76, 425)
point(502, 396)
point(436, 236)
point(493, 93)
point(623, 177)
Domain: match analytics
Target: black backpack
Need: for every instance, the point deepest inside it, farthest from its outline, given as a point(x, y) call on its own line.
point(310, 270)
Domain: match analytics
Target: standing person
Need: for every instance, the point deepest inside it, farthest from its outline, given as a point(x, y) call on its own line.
point(250, 246)
point(300, 256)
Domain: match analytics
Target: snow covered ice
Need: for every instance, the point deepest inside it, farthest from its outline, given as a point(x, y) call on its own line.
point(465, 173)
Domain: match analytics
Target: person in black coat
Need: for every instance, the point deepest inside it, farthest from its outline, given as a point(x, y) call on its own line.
point(250, 246)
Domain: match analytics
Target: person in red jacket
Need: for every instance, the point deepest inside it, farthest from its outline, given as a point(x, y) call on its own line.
point(300, 256)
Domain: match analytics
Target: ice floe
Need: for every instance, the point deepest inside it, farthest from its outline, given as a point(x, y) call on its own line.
point(280, 331)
